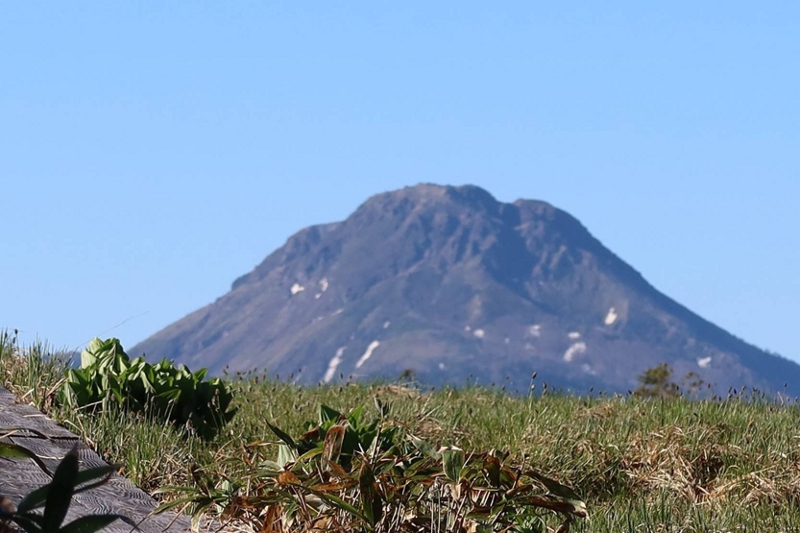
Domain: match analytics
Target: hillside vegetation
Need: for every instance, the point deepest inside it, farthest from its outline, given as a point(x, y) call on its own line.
point(639, 464)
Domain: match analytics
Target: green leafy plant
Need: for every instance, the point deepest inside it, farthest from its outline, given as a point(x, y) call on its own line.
point(348, 474)
point(338, 435)
point(55, 497)
point(204, 497)
point(107, 376)
point(393, 481)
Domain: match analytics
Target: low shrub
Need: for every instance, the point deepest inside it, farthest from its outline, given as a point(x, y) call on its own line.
point(107, 376)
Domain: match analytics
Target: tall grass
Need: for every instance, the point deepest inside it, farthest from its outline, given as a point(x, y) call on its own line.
point(33, 372)
point(641, 465)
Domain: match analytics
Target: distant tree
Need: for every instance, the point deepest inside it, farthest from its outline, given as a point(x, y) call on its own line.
point(693, 384)
point(656, 383)
point(408, 375)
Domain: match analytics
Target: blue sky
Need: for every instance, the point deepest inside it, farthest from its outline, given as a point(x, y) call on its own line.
point(152, 152)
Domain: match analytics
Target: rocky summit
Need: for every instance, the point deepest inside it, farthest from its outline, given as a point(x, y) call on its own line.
point(453, 286)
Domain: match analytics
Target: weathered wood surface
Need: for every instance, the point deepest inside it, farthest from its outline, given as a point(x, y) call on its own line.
point(51, 443)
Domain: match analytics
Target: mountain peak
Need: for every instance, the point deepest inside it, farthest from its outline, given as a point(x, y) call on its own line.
point(428, 195)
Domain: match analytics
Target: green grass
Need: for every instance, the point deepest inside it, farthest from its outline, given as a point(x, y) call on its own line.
point(640, 465)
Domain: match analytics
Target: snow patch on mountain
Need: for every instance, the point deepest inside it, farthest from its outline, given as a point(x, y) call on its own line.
point(333, 364)
point(371, 348)
point(575, 349)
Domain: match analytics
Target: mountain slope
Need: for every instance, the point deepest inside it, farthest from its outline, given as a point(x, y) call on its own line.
point(450, 283)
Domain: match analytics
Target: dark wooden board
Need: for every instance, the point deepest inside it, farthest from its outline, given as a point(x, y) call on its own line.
point(17, 415)
point(51, 442)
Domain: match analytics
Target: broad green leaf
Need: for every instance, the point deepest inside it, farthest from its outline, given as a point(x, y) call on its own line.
point(9, 449)
point(328, 414)
point(314, 452)
point(93, 523)
point(427, 449)
point(88, 356)
point(341, 504)
point(94, 477)
point(286, 455)
point(561, 505)
point(166, 506)
point(29, 522)
point(355, 416)
point(491, 466)
point(271, 467)
point(383, 408)
point(370, 499)
point(59, 493)
point(283, 436)
point(38, 497)
point(554, 487)
point(332, 446)
point(452, 462)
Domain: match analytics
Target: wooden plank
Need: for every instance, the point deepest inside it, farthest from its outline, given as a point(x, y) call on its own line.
point(28, 417)
point(6, 397)
point(52, 451)
point(19, 476)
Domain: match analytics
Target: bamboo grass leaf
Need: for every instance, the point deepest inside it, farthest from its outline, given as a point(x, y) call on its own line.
point(328, 414)
point(283, 436)
point(341, 504)
point(10, 450)
point(93, 523)
point(452, 462)
point(332, 447)
point(38, 497)
point(426, 448)
point(562, 491)
point(59, 493)
point(30, 523)
point(370, 499)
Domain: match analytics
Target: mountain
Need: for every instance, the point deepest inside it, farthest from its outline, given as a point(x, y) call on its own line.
point(455, 286)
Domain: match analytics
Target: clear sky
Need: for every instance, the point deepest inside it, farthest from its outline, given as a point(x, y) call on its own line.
point(152, 152)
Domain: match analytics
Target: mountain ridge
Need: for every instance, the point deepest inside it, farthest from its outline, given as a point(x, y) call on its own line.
point(449, 283)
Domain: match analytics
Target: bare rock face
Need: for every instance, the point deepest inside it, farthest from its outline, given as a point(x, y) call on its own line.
point(455, 286)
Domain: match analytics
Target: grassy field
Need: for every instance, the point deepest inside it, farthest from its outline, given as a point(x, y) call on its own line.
point(640, 465)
